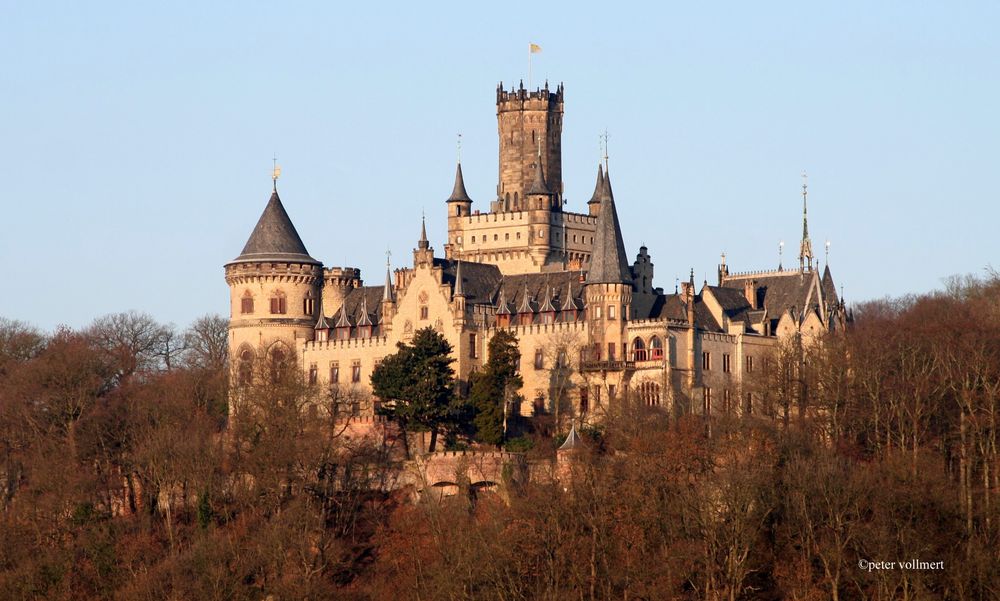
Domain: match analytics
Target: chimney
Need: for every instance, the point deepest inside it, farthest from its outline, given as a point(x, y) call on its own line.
point(750, 291)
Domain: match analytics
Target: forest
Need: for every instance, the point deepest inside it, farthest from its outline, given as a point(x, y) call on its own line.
point(865, 468)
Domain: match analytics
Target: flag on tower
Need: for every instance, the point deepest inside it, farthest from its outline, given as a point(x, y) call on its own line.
point(534, 48)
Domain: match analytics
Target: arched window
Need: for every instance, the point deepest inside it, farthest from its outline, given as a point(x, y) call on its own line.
point(506, 202)
point(517, 204)
point(279, 361)
point(655, 348)
point(278, 306)
point(245, 368)
point(638, 350)
point(246, 303)
point(308, 304)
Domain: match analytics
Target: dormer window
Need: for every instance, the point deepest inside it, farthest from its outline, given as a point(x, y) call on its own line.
point(246, 303)
point(278, 306)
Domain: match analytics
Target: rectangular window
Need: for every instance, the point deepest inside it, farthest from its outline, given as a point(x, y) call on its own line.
point(611, 351)
point(597, 312)
point(611, 392)
point(707, 408)
point(726, 401)
point(246, 304)
point(726, 365)
point(473, 351)
point(356, 372)
point(539, 359)
point(312, 373)
point(562, 361)
point(611, 311)
point(334, 373)
point(597, 396)
point(423, 312)
point(584, 400)
point(274, 306)
point(706, 361)
point(749, 364)
point(749, 407)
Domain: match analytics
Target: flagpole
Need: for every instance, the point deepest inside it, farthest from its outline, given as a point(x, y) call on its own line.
point(529, 66)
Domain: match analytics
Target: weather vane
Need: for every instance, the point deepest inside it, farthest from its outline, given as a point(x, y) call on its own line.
point(275, 170)
point(604, 138)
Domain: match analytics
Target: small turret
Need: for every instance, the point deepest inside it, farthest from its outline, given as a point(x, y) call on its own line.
point(594, 204)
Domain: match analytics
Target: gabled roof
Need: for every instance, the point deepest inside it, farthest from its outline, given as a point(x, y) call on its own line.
point(608, 262)
point(479, 280)
point(781, 291)
point(274, 238)
point(514, 287)
point(458, 193)
point(671, 307)
point(733, 302)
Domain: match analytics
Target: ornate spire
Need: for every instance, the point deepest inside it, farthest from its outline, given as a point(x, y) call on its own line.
point(342, 320)
point(458, 193)
point(502, 308)
point(805, 248)
point(547, 303)
point(321, 323)
point(387, 294)
point(423, 244)
point(365, 319)
point(459, 287)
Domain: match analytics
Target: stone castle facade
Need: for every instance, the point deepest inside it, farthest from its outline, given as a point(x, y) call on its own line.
point(592, 328)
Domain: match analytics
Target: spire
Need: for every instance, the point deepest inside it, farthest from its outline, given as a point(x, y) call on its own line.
point(365, 319)
point(805, 248)
point(458, 193)
point(459, 288)
point(525, 306)
point(568, 303)
point(423, 244)
point(274, 238)
point(538, 186)
point(547, 303)
point(572, 441)
point(502, 308)
point(321, 323)
point(607, 263)
point(387, 295)
point(599, 188)
point(343, 321)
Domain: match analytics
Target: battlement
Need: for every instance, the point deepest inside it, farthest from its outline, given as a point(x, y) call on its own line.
point(748, 274)
point(515, 97)
point(350, 343)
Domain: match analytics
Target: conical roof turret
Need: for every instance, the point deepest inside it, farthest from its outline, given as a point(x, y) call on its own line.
point(458, 193)
point(459, 287)
point(607, 263)
point(538, 186)
point(274, 238)
point(599, 188)
point(423, 243)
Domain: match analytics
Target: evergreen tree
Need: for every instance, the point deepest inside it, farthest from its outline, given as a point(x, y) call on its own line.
point(496, 384)
point(417, 384)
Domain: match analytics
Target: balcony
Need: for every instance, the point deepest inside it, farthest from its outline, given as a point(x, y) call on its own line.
point(607, 365)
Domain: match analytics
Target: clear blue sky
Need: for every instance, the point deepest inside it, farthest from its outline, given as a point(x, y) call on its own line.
point(137, 137)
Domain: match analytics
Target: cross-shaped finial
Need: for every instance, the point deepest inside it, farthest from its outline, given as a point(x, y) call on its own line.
point(805, 184)
point(275, 171)
point(388, 254)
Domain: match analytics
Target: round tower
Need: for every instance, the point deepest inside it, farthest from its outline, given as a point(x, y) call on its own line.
point(530, 130)
point(274, 290)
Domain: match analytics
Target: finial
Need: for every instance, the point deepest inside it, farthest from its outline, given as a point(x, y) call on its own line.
point(827, 259)
point(275, 172)
point(781, 248)
point(605, 157)
point(677, 284)
point(723, 258)
point(459, 147)
point(423, 243)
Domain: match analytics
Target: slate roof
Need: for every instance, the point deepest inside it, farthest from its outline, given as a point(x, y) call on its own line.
point(780, 292)
point(671, 307)
point(599, 187)
point(274, 238)
point(479, 280)
point(608, 262)
point(363, 306)
point(458, 193)
point(558, 283)
point(734, 303)
point(829, 288)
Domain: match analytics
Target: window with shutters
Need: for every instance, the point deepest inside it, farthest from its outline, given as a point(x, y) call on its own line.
point(246, 303)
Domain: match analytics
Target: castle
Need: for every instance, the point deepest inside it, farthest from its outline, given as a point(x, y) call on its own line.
point(592, 328)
